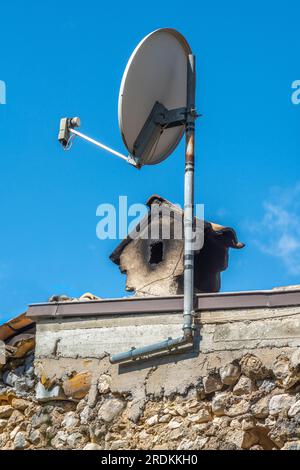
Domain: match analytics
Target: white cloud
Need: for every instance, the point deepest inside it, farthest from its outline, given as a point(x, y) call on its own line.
point(278, 232)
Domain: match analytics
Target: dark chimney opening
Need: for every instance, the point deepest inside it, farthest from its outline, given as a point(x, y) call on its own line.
point(156, 253)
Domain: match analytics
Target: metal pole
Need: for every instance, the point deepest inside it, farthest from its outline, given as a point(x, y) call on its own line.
point(188, 308)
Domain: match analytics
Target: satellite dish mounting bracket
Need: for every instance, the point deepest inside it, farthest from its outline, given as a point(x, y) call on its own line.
point(159, 119)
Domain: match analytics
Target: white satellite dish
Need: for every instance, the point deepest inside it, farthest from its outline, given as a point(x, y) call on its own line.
point(155, 72)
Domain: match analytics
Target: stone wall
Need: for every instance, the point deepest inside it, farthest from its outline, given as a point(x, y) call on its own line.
point(238, 388)
point(244, 404)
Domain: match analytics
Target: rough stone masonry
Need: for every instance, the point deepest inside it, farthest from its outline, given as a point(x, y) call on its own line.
point(245, 404)
point(238, 389)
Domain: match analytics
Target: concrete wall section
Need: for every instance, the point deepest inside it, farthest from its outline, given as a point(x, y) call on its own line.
point(219, 331)
point(97, 337)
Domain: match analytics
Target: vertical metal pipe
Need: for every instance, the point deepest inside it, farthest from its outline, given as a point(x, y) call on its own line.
point(188, 259)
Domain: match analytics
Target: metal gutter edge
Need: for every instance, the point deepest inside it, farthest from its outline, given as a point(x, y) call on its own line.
point(162, 305)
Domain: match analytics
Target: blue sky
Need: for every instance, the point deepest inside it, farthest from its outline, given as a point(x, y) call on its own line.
point(67, 58)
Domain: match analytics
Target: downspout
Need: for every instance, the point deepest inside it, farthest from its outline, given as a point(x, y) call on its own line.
point(188, 302)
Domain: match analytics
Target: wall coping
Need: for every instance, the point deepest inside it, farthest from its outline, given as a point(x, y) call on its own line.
point(279, 297)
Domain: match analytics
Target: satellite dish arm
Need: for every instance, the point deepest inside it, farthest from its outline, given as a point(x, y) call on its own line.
point(67, 130)
point(98, 144)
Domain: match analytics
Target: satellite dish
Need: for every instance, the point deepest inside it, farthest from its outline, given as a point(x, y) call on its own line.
point(155, 73)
